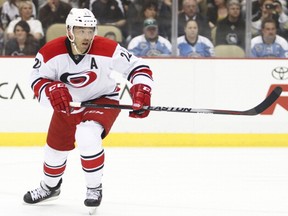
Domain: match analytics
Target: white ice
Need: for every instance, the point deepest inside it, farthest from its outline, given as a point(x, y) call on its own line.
point(156, 182)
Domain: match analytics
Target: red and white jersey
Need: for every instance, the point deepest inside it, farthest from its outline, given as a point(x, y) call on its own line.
point(86, 76)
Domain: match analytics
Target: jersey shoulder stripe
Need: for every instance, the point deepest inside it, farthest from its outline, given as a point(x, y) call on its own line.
point(53, 48)
point(103, 47)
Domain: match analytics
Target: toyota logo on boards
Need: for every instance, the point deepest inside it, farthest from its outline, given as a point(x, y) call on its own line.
point(280, 73)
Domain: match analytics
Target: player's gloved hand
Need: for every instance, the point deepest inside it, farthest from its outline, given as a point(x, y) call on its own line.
point(59, 97)
point(141, 96)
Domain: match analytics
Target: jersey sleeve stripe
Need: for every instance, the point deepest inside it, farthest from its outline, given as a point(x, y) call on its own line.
point(38, 85)
point(144, 71)
point(139, 74)
point(138, 68)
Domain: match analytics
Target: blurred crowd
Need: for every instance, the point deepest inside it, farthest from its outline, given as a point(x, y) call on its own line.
point(203, 25)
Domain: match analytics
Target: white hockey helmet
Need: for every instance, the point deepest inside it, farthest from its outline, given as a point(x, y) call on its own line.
point(80, 17)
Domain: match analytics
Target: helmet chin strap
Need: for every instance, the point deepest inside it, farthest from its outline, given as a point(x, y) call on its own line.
point(72, 40)
point(76, 49)
point(78, 52)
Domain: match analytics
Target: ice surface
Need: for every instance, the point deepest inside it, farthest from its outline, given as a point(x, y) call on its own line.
point(156, 182)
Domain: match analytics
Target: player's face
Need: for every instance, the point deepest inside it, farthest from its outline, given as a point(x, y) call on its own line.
point(83, 37)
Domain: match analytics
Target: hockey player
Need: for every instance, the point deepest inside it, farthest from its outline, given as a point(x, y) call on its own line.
point(78, 68)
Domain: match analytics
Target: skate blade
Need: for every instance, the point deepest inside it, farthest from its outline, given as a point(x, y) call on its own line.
point(92, 210)
point(42, 202)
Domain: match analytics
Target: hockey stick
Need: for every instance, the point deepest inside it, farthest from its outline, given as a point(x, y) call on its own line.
point(267, 102)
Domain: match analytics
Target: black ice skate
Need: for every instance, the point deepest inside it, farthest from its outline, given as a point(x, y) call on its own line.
point(43, 193)
point(93, 196)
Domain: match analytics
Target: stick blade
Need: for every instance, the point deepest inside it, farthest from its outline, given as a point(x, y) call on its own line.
point(269, 100)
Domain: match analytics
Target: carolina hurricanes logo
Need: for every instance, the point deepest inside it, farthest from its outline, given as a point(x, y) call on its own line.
point(79, 80)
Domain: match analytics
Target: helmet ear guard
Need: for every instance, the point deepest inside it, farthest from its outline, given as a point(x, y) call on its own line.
point(69, 33)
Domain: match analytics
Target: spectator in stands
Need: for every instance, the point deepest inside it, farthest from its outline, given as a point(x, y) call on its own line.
point(54, 11)
point(148, 10)
point(25, 10)
point(202, 4)
point(192, 44)
point(150, 43)
point(190, 11)
point(271, 9)
point(269, 44)
point(23, 43)
point(256, 8)
point(165, 15)
point(110, 12)
point(231, 30)
point(10, 12)
point(216, 12)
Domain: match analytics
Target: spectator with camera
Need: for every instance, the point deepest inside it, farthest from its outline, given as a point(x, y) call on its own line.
point(269, 44)
point(256, 12)
point(271, 9)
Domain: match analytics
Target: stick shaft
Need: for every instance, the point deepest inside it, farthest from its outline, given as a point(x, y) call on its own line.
point(266, 103)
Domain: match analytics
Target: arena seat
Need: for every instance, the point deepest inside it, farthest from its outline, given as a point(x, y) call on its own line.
point(59, 29)
point(103, 29)
point(229, 51)
point(2, 2)
point(213, 35)
point(55, 30)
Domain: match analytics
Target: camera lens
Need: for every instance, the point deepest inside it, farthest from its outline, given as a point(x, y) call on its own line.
point(269, 6)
